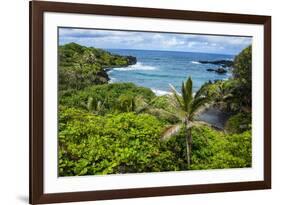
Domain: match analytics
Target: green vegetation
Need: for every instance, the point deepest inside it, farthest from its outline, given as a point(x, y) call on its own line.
point(123, 128)
point(239, 123)
point(215, 150)
point(185, 107)
point(112, 97)
point(120, 143)
point(80, 66)
point(212, 149)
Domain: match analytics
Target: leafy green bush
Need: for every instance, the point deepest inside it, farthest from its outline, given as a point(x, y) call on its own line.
point(212, 149)
point(215, 150)
point(239, 123)
point(121, 143)
point(243, 65)
point(224, 94)
point(242, 71)
point(163, 110)
point(130, 143)
point(108, 94)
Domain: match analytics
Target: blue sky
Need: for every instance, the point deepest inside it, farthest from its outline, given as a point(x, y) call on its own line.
point(107, 39)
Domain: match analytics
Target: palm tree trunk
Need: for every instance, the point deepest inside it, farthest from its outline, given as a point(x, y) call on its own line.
point(190, 141)
point(188, 147)
point(187, 153)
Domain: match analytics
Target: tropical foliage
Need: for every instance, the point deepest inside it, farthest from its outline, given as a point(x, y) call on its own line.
point(185, 107)
point(80, 66)
point(109, 128)
point(121, 143)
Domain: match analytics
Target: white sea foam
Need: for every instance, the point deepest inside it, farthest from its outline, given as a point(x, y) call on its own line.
point(112, 80)
point(160, 92)
point(195, 62)
point(138, 66)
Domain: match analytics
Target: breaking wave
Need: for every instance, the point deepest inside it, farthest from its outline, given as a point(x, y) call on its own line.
point(195, 62)
point(138, 66)
point(160, 92)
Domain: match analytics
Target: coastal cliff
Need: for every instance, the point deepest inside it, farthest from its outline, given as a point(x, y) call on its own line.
point(81, 66)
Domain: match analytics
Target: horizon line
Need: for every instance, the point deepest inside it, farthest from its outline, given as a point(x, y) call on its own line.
point(156, 50)
point(165, 51)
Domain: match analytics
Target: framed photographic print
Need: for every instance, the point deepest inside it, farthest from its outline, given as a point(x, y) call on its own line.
point(139, 102)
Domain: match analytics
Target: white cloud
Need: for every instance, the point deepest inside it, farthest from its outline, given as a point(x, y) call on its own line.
point(154, 41)
point(173, 42)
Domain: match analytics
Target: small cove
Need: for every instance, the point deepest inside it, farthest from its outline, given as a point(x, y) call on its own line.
point(157, 69)
point(215, 117)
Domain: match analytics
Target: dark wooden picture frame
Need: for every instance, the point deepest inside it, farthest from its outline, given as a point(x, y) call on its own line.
point(37, 9)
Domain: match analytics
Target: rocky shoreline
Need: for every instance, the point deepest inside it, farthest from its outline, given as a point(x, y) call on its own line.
point(82, 66)
point(219, 70)
point(223, 65)
point(131, 60)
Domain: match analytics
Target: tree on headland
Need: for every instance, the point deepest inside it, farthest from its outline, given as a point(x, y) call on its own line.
point(242, 71)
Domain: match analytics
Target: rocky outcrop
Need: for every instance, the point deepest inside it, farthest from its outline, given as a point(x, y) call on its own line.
point(81, 66)
point(223, 63)
point(131, 60)
point(219, 70)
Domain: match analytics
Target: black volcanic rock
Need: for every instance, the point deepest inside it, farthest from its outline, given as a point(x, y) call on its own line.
point(223, 63)
point(131, 60)
point(220, 70)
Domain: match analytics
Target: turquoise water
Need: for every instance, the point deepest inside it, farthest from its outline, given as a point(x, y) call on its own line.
point(157, 69)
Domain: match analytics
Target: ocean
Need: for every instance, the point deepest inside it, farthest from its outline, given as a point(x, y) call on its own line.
point(157, 69)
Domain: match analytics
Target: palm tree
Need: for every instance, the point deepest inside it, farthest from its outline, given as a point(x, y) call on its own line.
point(93, 106)
point(126, 103)
point(137, 104)
point(186, 107)
point(223, 96)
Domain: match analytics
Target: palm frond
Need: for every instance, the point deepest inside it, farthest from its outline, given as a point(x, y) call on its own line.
point(90, 104)
point(184, 95)
point(196, 105)
point(142, 105)
point(171, 131)
point(177, 109)
point(186, 91)
point(197, 124)
point(203, 91)
point(177, 97)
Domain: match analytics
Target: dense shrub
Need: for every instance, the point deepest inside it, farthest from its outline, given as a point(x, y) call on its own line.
point(213, 149)
point(243, 65)
point(242, 71)
point(163, 110)
point(239, 123)
point(130, 143)
point(108, 94)
point(123, 143)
